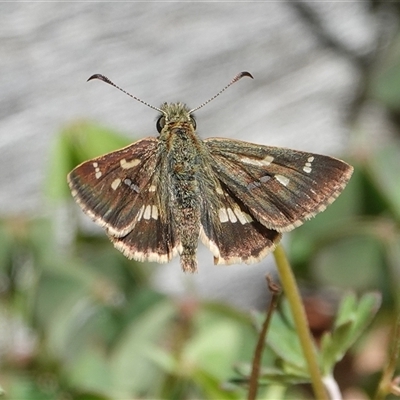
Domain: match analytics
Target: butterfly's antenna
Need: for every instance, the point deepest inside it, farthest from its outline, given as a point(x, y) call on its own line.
point(105, 79)
point(235, 79)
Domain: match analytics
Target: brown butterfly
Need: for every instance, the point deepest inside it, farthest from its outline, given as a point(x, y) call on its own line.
point(158, 196)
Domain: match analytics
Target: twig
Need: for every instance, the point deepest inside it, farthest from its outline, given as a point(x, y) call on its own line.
point(255, 371)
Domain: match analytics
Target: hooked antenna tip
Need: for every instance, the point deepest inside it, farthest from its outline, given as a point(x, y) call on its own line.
point(99, 76)
point(245, 73)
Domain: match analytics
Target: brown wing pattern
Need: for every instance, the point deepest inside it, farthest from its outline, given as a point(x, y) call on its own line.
point(112, 188)
point(121, 192)
point(281, 187)
point(232, 234)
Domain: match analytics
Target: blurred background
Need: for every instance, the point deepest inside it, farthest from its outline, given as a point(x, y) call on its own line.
point(77, 319)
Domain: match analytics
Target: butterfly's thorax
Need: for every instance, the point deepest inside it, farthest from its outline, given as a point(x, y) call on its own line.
point(183, 163)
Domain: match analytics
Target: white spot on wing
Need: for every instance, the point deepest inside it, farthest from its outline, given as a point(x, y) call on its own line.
point(129, 164)
point(231, 215)
point(247, 217)
point(97, 172)
point(115, 183)
point(264, 162)
point(267, 160)
point(140, 213)
point(307, 167)
point(147, 212)
point(152, 188)
point(154, 212)
point(240, 216)
point(219, 190)
point(282, 179)
point(222, 214)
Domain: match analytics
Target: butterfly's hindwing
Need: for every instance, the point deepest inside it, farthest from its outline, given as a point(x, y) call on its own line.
point(231, 233)
point(114, 188)
point(281, 187)
point(152, 239)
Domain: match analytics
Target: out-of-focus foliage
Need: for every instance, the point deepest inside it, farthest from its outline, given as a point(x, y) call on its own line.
point(86, 324)
point(290, 366)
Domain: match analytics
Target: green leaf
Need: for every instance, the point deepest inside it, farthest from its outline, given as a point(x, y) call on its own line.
point(351, 321)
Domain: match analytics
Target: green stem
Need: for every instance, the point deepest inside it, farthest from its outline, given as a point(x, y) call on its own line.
point(292, 293)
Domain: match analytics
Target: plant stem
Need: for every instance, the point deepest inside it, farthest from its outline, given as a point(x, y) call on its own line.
point(292, 293)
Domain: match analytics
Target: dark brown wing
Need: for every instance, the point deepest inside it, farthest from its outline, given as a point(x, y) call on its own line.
point(228, 228)
point(280, 187)
point(121, 191)
point(231, 233)
point(151, 239)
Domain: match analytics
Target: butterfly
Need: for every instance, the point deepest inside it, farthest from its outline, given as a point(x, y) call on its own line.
point(158, 196)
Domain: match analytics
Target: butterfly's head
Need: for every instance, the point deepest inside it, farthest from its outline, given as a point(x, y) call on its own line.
point(175, 114)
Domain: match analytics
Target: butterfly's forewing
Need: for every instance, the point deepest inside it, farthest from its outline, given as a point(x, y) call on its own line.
point(113, 188)
point(121, 192)
point(230, 232)
point(281, 187)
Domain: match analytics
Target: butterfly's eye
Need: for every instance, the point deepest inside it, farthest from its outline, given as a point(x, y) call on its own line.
point(193, 121)
point(160, 123)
